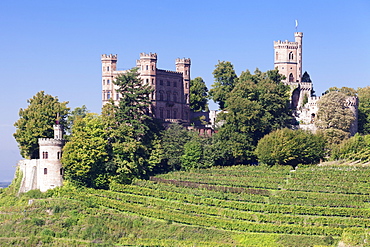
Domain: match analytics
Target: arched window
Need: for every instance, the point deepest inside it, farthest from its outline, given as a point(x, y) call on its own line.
point(168, 114)
point(108, 95)
point(291, 77)
point(276, 55)
point(175, 84)
point(61, 171)
point(174, 114)
point(45, 171)
point(290, 55)
point(168, 96)
point(160, 95)
point(108, 82)
point(59, 155)
point(175, 97)
point(108, 68)
point(161, 112)
point(147, 67)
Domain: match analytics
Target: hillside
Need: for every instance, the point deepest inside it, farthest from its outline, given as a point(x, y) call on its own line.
point(232, 206)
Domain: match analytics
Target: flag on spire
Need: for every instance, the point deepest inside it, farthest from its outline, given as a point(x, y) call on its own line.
point(296, 24)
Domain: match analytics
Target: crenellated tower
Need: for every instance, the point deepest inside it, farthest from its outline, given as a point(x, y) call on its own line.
point(183, 66)
point(288, 58)
point(109, 66)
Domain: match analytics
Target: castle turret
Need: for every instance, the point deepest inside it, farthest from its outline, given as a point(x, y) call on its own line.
point(183, 66)
point(50, 171)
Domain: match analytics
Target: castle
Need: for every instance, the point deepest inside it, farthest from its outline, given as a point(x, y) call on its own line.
point(47, 172)
point(288, 60)
point(170, 97)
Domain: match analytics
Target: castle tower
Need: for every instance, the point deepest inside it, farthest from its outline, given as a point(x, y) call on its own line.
point(109, 65)
point(147, 65)
point(183, 66)
point(49, 168)
point(288, 58)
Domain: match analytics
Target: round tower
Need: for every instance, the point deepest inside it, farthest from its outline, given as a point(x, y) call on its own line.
point(298, 39)
point(50, 171)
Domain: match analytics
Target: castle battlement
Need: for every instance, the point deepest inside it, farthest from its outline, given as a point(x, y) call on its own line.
point(183, 60)
point(109, 57)
point(51, 142)
point(168, 71)
point(352, 101)
point(148, 55)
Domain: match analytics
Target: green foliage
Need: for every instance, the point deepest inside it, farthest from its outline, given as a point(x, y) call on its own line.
point(131, 132)
point(78, 112)
point(306, 77)
point(85, 155)
point(364, 110)
point(290, 147)
point(345, 90)
point(198, 95)
point(225, 80)
point(174, 139)
point(192, 155)
point(36, 121)
point(334, 117)
point(257, 105)
point(354, 148)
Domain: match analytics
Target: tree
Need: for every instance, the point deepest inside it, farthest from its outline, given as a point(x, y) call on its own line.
point(37, 120)
point(174, 139)
point(345, 90)
point(192, 156)
point(198, 95)
point(355, 148)
point(257, 105)
point(78, 112)
point(290, 147)
point(364, 110)
point(225, 80)
point(131, 132)
point(334, 117)
point(86, 153)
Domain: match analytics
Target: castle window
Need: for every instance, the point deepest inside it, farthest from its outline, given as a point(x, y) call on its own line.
point(117, 96)
point(147, 67)
point(45, 155)
point(168, 96)
point(152, 67)
point(186, 85)
point(45, 171)
point(277, 56)
point(108, 82)
point(290, 55)
point(168, 114)
point(291, 77)
point(161, 112)
point(59, 155)
point(186, 72)
point(108, 95)
point(168, 83)
point(152, 81)
point(61, 171)
point(175, 114)
point(161, 82)
point(147, 81)
point(108, 68)
point(186, 98)
point(175, 84)
point(175, 97)
point(160, 95)
point(103, 82)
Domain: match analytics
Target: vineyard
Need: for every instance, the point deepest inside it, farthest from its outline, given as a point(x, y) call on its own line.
point(247, 206)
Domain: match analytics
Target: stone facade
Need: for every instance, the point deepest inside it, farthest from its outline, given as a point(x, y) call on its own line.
point(170, 97)
point(288, 60)
point(47, 172)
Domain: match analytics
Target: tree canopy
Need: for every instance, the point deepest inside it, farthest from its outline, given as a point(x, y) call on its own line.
point(37, 120)
point(225, 80)
point(364, 110)
point(198, 95)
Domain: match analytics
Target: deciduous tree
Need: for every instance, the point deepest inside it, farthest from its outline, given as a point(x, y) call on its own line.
point(225, 80)
point(37, 120)
point(364, 110)
point(198, 95)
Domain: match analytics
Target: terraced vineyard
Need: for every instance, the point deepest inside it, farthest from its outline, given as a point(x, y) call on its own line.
point(231, 206)
point(327, 202)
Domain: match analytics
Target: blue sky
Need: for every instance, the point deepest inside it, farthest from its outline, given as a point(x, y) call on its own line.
point(55, 46)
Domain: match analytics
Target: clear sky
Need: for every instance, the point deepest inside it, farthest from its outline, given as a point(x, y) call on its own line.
point(55, 46)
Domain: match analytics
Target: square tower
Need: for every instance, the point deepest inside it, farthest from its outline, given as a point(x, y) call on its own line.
point(288, 58)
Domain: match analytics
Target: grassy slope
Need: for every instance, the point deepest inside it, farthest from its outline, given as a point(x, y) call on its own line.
point(62, 218)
